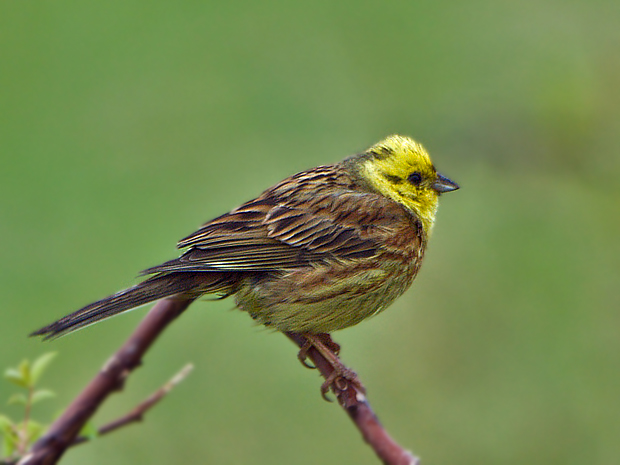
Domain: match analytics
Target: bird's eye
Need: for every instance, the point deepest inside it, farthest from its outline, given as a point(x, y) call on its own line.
point(415, 178)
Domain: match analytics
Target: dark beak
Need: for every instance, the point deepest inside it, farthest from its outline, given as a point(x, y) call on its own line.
point(443, 184)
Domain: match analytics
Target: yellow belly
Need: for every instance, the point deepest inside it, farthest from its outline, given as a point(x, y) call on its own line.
point(322, 300)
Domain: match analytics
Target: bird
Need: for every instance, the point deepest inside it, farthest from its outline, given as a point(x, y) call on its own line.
point(318, 252)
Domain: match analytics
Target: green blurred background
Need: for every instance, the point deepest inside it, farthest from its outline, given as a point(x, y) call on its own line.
point(126, 124)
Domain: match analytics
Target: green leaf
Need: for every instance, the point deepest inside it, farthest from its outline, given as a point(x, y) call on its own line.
point(6, 424)
point(89, 431)
point(40, 365)
point(35, 430)
point(8, 445)
point(17, 399)
point(10, 439)
point(15, 377)
point(24, 369)
point(42, 394)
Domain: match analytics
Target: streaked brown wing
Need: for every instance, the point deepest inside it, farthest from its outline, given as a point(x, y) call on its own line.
point(288, 228)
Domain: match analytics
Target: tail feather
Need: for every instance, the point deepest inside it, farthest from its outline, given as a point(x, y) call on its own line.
point(152, 289)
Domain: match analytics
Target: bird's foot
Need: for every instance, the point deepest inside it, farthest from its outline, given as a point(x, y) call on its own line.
point(339, 381)
point(325, 339)
point(341, 377)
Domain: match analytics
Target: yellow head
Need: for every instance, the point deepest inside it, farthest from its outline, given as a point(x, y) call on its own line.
point(400, 169)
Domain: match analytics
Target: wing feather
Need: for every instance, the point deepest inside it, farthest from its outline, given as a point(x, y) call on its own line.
point(310, 219)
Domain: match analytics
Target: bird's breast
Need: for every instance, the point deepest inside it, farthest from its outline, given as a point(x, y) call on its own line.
point(323, 299)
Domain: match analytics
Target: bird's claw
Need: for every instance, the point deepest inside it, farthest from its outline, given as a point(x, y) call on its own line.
point(340, 380)
point(326, 339)
point(302, 355)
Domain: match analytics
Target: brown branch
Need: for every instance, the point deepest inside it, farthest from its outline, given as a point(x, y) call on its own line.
point(137, 413)
point(354, 402)
point(51, 446)
point(63, 433)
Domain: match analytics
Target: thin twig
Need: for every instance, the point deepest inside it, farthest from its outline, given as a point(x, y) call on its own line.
point(51, 446)
point(137, 413)
point(354, 402)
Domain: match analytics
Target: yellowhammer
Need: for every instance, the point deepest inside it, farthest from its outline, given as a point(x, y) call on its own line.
point(320, 251)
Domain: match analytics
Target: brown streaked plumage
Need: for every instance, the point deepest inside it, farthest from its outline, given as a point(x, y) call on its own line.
point(320, 251)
